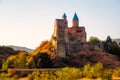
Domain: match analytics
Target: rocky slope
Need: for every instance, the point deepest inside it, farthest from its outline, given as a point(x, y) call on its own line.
point(88, 57)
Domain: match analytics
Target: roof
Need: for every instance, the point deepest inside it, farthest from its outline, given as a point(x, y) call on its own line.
point(64, 15)
point(75, 17)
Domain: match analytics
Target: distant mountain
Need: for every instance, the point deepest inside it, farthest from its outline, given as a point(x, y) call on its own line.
point(20, 48)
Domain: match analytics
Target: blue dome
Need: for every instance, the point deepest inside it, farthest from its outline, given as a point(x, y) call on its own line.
point(75, 17)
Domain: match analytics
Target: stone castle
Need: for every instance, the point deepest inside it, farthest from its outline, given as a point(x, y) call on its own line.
point(67, 40)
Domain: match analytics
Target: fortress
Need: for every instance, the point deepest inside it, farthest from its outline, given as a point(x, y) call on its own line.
point(67, 40)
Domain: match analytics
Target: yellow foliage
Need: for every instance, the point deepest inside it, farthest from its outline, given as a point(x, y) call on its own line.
point(116, 72)
point(22, 53)
point(29, 60)
point(12, 57)
point(45, 46)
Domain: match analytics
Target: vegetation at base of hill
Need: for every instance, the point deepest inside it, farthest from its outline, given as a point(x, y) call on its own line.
point(41, 60)
point(5, 52)
point(89, 71)
point(24, 61)
point(16, 61)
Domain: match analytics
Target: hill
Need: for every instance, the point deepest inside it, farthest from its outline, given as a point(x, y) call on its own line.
point(20, 48)
point(88, 57)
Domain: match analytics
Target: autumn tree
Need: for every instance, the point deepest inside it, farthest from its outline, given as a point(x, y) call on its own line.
point(45, 46)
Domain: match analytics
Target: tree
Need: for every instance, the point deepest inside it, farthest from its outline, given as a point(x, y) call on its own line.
point(94, 40)
point(109, 40)
point(111, 46)
point(41, 60)
point(7, 64)
point(45, 46)
point(16, 61)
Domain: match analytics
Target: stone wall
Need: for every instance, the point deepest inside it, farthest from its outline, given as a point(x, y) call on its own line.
point(77, 47)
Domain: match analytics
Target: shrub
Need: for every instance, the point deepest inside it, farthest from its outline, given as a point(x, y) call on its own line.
point(47, 76)
point(116, 72)
point(6, 65)
point(86, 70)
point(69, 74)
point(106, 75)
point(34, 75)
point(15, 77)
point(4, 75)
point(93, 71)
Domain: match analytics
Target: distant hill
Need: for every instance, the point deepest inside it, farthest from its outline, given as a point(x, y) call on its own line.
point(20, 48)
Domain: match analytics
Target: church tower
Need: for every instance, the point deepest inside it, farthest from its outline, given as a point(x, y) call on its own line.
point(64, 17)
point(75, 21)
point(65, 23)
point(60, 27)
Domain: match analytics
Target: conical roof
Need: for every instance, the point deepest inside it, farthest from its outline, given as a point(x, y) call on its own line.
point(75, 17)
point(64, 15)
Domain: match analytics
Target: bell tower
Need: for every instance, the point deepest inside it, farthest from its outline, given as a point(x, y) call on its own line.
point(65, 23)
point(75, 21)
point(60, 27)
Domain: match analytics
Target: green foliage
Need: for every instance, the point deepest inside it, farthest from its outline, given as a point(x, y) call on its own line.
point(15, 61)
point(47, 76)
point(92, 71)
point(5, 75)
point(106, 75)
point(108, 40)
point(86, 70)
point(8, 76)
point(34, 76)
point(6, 65)
point(20, 62)
point(41, 60)
point(4, 53)
point(64, 74)
point(69, 74)
point(94, 40)
point(111, 46)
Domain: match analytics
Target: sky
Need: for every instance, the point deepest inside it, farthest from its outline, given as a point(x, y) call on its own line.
point(28, 22)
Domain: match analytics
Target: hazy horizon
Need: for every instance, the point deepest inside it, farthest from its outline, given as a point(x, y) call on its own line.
point(28, 22)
